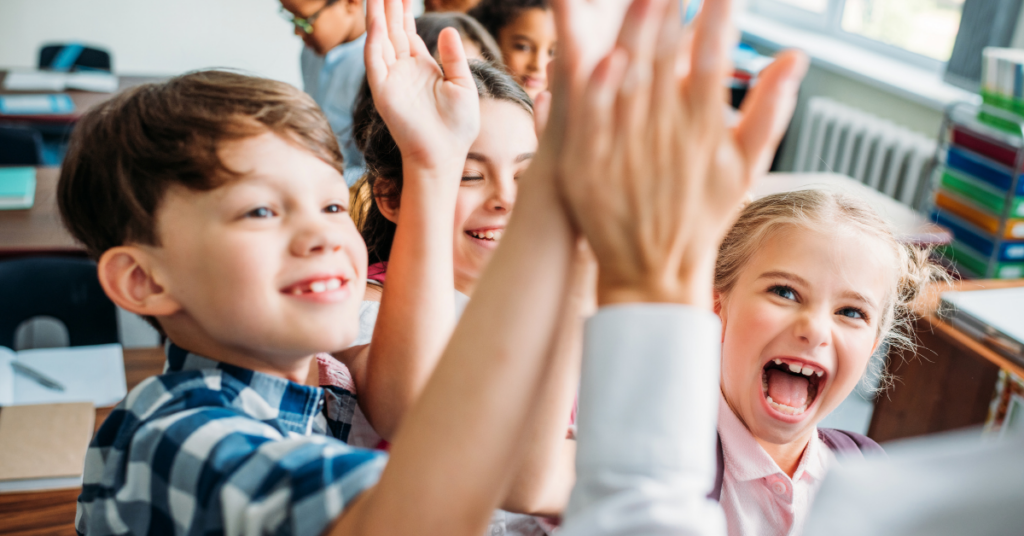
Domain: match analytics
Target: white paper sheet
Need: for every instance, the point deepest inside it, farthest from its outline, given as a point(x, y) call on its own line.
point(88, 373)
point(52, 81)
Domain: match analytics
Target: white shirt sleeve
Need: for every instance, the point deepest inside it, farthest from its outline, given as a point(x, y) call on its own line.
point(645, 459)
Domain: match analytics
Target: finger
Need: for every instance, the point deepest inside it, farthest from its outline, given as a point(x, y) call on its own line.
point(591, 125)
point(640, 29)
point(418, 47)
point(638, 38)
point(768, 107)
point(409, 19)
point(714, 39)
point(376, 35)
point(394, 11)
point(666, 54)
point(453, 59)
point(541, 109)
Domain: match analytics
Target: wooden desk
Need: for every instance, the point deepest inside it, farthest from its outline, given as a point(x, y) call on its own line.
point(947, 384)
point(912, 226)
point(38, 229)
point(53, 512)
point(84, 100)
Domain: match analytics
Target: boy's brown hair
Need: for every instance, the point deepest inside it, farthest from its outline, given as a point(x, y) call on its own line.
point(126, 152)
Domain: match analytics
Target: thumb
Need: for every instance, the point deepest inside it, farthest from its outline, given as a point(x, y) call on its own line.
point(453, 59)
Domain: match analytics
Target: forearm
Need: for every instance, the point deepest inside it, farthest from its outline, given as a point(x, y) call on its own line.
point(417, 310)
point(453, 456)
point(545, 476)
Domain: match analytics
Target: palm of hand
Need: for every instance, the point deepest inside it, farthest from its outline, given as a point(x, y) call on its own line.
point(430, 118)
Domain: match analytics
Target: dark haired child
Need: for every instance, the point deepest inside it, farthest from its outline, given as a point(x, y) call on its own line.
point(525, 32)
point(476, 41)
point(425, 271)
point(334, 34)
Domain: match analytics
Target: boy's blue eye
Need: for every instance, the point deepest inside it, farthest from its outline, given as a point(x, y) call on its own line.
point(783, 292)
point(260, 212)
point(853, 312)
point(334, 208)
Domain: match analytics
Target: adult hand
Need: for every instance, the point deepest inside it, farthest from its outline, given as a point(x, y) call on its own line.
point(651, 173)
point(433, 115)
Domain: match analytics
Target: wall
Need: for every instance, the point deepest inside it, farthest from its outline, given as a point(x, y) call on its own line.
point(911, 114)
point(156, 36)
point(884, 104)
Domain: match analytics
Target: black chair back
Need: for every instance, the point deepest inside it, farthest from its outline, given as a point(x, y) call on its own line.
point(74, 57)
point(20, 146)
point(64, 288)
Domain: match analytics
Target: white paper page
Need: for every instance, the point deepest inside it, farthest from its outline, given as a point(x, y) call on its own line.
point(34, 81)
point(999, 308)
point(6, 377)
point(88, 373)
point(98, 82)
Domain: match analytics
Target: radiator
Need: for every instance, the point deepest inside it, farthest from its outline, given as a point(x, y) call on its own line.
point(874, 151)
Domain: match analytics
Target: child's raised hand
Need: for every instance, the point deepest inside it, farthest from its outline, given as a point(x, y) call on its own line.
point(651, 173)
point(434, 116)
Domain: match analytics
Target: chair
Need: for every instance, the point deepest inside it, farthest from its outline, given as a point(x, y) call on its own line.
point(20, 146)
point(63, 288)
point(74, 57)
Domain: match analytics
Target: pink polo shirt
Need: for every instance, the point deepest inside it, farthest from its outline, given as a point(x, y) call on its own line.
point(758, 498)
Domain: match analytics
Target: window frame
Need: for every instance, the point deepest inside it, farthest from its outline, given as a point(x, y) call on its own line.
point(830, 23)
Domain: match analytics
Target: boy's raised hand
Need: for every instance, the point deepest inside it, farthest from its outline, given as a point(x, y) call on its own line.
point(434, 116)
point(651, 173)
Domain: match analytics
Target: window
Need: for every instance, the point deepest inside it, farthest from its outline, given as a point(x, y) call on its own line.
point(921, 32)
point(925, 27)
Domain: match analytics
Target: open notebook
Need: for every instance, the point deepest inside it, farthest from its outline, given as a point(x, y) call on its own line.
point(993, 316)
point(88, 374)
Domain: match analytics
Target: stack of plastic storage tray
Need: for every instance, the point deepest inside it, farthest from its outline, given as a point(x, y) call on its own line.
point(979, 194)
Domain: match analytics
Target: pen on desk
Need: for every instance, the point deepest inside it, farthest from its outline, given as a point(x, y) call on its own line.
point(39, 377)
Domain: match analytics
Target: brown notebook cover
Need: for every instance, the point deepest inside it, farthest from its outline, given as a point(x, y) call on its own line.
point(43, 446)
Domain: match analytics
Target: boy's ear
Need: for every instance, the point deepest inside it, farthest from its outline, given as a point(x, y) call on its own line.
point(126, 274)
point(387, 204)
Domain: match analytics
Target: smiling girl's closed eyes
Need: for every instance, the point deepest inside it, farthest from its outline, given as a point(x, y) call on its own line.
point(808, 286)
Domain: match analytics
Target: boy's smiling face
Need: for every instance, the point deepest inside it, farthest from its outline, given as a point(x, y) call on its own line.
point(799, 327)
point(267, 268)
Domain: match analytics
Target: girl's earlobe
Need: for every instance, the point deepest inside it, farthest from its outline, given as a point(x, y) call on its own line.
point(126, 275)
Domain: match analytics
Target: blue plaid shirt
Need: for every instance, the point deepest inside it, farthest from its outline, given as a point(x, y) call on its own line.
point(210, 448)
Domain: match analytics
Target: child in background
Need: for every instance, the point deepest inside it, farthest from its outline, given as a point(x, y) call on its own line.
point(334, 33)
point(525, 32)
point(808, 285)
point(477, 43)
